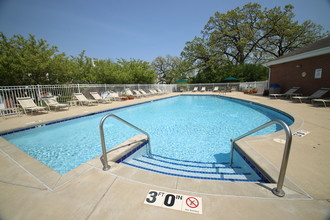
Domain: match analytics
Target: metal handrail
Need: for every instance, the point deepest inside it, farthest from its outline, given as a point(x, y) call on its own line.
point(104, 152)
point(278, 190)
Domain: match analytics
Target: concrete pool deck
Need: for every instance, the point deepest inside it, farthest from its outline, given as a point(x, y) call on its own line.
point(30, 190)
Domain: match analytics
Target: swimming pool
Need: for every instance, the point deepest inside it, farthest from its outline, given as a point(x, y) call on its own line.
point(188, 128)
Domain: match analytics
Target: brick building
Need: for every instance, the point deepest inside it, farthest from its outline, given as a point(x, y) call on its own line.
point(307, 68)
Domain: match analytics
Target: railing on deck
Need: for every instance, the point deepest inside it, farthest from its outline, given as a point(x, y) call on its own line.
point(104, 149)
point(278, 190)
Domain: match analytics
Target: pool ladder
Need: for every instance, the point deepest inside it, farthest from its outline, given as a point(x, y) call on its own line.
point(278, 190)
point(104, 151)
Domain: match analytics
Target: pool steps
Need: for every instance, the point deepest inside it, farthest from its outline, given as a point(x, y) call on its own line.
point(190, 169)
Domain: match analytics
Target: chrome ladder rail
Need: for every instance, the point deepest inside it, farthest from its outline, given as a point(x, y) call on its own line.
point(278, 190)
point(104, 151)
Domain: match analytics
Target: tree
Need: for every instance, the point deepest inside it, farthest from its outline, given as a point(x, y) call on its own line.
point(34, 61)
point(250, 35)
point(106, 71)
point(83, 69)
point(170, 69)
point(236, 33)
point(61, 70)
point(197, 53)
point(28, 61)
point(243, 72)
point(136, 72)
point(247, 35)
point(283, 34)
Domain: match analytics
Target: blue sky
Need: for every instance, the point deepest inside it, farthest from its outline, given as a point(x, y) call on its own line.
point(128, 29)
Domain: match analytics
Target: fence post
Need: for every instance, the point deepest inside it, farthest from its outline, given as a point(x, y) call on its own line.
point(39, 95)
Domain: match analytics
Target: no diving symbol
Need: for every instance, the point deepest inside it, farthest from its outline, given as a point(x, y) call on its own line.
point(192, 202)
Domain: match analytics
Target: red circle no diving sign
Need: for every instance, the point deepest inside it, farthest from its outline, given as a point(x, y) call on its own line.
point(192, 202)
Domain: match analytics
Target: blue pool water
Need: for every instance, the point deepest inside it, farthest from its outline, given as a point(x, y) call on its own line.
point(194, 128)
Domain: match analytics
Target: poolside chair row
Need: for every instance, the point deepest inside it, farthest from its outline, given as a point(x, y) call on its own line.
point(315, 98)
point(115, 96)
point(141, 93)
point(215, 89)
point(108, 96)
point(288, 94)
point(28, 105)
point(82, 100)
point(196, 89)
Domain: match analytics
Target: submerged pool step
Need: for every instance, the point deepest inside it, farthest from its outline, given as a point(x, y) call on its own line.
point(191, 163)
point(200, 170)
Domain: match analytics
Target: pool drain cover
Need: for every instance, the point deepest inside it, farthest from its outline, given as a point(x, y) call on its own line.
point(301, 133)
point(278, 140)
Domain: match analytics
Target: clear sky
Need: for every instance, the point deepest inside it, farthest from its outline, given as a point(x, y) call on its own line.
point(139, 29)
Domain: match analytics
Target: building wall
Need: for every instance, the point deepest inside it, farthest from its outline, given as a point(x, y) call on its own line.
point(290, 74)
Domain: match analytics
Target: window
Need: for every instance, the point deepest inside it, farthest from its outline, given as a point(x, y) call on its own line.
point(318, 73)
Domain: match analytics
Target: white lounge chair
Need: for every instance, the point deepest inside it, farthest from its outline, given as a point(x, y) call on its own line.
point(130, 93)
point(10, 111)
point(138, 93)
point(203, 89)
point(144, 93)
point(216, 89)
point(114, 96)
point(223, 90)
point(83, 100)
point(153, 92)
point(324, 101)
point(98, 98)
point(52, 103)
point(160, 91)
point(316, 95)
point(28, 104)
point(195, 89)
point(287, 94)
point(164, 91)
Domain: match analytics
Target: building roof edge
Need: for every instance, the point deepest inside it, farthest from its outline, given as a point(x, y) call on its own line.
point(300, 56)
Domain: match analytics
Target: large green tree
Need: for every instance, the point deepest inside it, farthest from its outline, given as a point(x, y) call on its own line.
point(248, 35)
point(83, 69)
point(171, 68)
point(107, 71)
point(236, 33)
point(136, 72)
point(243, 72)
point(242, 32)
point(26, 61)
point(282, 34)
point(29, 61)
